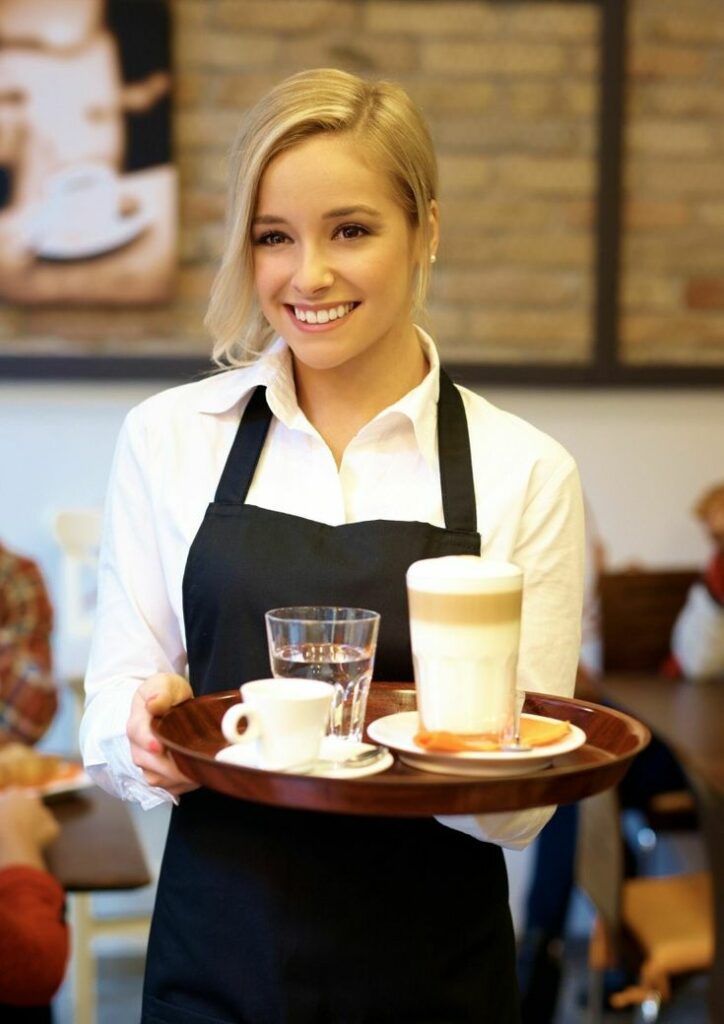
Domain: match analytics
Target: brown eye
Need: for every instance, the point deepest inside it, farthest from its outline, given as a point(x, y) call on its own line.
point(271, 238)
point(351, 231)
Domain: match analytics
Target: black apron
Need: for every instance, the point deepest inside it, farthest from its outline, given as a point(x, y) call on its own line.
point(267, 915)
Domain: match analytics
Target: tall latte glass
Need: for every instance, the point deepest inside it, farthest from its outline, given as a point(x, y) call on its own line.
point(465, 634)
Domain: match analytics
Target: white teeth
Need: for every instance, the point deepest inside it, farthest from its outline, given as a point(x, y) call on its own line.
point(323, 316)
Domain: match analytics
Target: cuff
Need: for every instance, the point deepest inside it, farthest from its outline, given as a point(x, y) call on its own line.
point(513, 830)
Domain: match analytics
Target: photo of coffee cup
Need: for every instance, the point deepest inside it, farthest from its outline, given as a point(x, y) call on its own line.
point(83, 197)
point(465, 633)
point(286, 717)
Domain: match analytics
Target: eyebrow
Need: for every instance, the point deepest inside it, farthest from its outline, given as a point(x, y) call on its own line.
point(341, 211)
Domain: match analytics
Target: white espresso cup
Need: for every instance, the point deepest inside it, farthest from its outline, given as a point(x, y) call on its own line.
point(287, 717)
point(465, 635)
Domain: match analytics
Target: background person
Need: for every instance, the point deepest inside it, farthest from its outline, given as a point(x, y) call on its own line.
point(33, 933)
point(28, 692)
point(333, 453)
point(697, 639)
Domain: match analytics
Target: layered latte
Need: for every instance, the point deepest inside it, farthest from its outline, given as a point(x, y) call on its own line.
point(465, 634)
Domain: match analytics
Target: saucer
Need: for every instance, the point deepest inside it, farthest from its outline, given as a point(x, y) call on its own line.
point(67, 240)
point(398, 732)
point(247, 755)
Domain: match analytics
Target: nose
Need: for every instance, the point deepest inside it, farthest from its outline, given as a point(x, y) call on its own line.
point(312, 273)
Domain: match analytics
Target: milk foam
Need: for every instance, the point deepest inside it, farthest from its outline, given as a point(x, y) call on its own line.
point(463, 574)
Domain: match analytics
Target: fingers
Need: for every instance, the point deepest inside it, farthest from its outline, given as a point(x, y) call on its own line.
point(154, 696)
point(25, 814)
point(159, 769)
point(164, 690)
point(48, 828)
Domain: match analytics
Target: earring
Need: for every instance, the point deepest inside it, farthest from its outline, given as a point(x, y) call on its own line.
point(433, 258)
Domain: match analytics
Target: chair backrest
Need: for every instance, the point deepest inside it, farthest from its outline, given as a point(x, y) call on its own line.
point(78, 533)
point(638, 611)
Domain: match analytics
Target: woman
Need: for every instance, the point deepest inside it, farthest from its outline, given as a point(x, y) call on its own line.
point(330, 466)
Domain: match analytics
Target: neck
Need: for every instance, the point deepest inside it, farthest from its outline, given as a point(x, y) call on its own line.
point(340, 401)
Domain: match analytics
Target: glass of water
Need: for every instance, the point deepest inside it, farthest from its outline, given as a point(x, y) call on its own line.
point(335, 645)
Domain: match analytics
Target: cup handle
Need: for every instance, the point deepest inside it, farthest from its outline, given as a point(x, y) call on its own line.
point(230, 724)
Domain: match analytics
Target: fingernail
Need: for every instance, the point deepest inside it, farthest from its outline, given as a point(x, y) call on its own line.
point(155, 747)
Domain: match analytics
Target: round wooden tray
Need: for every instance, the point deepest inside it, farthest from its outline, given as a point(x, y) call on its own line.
point(192, 732)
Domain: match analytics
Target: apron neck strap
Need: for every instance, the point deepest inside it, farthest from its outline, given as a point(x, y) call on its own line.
point(456, 465)
point(456, 471)
point(245, 451)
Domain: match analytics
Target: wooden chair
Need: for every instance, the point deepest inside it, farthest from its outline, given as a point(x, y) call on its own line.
point(638, 608)
point(661, 927)
point(638, 611)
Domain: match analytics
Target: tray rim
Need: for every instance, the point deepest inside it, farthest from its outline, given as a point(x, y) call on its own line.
point(405, 791)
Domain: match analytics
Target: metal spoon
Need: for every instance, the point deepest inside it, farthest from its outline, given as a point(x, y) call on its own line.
point(514, 746)
point(360, 760)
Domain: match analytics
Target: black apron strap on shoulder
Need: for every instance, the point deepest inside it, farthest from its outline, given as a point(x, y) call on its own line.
point(456, 464)
point(241, 463)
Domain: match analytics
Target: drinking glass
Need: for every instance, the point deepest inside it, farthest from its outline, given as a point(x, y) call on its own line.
point(332, 644)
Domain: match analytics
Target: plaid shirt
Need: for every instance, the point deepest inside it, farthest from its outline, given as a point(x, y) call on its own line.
point(28, 695)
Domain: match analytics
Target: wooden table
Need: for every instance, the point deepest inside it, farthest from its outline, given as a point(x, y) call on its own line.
point(98, 848)
point(688, 717)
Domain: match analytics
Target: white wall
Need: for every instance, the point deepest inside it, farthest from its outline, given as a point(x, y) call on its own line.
point(643, 455)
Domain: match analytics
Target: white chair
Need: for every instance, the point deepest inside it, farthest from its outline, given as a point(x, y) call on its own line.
point(78, 532)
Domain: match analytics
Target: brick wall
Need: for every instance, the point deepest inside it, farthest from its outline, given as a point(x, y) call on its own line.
point(510, 91)
point(673, 255)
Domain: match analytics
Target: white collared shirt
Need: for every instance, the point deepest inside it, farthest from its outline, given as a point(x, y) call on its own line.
point(170, 455)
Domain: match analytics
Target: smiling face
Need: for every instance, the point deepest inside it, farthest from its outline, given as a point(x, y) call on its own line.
point(334, 258)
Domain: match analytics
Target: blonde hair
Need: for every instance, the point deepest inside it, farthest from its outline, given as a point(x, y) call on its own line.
point(396, 139)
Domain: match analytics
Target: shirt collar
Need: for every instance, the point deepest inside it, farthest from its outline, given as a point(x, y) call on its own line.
point(222, 391)
point(419, 406)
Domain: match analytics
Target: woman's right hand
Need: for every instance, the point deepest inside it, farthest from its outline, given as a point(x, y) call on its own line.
point(156, 695)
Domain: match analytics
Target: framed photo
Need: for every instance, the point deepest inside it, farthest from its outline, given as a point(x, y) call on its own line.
point(87, 185)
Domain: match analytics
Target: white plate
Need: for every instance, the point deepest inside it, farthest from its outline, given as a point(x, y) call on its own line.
point(79, 242)
point(74, 785)
point(398, 732)
point(67, 784)
point(247, 756)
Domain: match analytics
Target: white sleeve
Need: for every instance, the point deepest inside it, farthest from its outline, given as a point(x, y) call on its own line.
point(697, 640)
point(550, 551)
point(136, 632)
